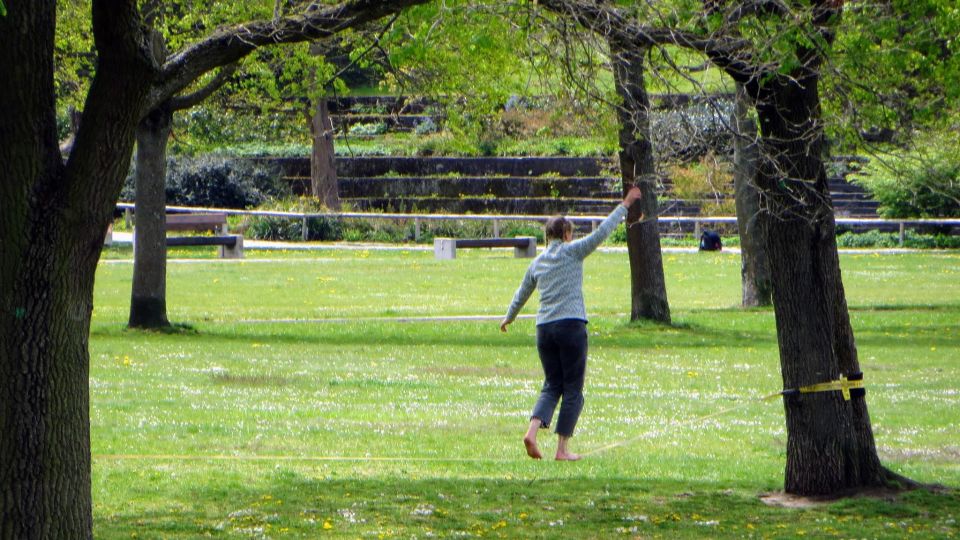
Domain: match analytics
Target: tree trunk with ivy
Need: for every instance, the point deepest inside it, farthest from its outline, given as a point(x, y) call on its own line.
point(648, 290)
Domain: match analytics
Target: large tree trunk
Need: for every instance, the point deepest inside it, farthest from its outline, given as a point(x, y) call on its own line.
point(830, 445)
point(53, 221)
point(54, 218)
point(148, 299)
point(648, 290)
point(754, 269)
point(323, 167)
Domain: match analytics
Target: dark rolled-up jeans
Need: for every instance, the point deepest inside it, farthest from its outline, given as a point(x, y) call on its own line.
point(563, 353)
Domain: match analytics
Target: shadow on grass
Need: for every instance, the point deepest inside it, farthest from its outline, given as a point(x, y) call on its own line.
point(935, 308)
point(171, 329)
point(697, 329)
point(314, 503)
point(430, 334)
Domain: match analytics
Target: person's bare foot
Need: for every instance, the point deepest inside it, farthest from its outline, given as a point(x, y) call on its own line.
point(567, 456)
point(532, 450)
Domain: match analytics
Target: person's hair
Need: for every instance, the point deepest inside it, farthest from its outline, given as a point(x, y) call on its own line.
point(557, 227)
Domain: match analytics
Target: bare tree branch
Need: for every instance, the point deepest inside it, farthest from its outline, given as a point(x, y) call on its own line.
point(732, 54)
point(186, 101)
point(374, 45)
point(229, 45)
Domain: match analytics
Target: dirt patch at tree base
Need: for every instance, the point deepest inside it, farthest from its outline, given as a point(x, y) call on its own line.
point(788, 500)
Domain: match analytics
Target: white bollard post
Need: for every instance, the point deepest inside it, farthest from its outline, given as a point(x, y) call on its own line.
point(444, 248)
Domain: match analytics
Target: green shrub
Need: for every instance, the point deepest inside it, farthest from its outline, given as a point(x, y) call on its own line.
point(619, 235)
point(455, 229)
point(367, 130)
point(442, 144)
point(869, 239)
point(378, 230)
point(549, 146)
point(272, 228)
point(291, 229)
point(911, 239)
point(214, 181)
point(487, 146)
point(922, 183)
point(521, 228)
point(262, 149)
point(426, 127)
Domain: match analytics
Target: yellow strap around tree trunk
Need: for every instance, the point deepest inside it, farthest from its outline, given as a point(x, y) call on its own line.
point(843, 385)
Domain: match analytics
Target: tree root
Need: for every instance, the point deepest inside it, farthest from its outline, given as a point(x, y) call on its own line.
point(891, 486)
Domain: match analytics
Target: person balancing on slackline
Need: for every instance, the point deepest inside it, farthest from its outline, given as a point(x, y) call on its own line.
point(561, 323)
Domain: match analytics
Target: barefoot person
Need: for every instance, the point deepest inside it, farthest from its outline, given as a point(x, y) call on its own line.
point(561, 324)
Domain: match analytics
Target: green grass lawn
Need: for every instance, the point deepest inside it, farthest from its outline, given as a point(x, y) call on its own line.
point(298, 404)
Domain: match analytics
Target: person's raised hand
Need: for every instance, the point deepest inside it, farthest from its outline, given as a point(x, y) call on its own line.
point(633, 194)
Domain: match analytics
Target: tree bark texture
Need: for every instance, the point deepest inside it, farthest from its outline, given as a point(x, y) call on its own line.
point(830, 445)
point(54, 218)
point(754, 269)
point(148, 298)
point(648, 290)
point(323, 167)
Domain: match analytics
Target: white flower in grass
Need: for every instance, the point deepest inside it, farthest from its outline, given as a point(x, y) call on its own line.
point(423, 510)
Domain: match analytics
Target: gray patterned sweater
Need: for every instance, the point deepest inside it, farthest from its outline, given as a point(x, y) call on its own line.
point(558, 274)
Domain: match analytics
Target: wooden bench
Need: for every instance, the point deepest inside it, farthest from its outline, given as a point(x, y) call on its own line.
point(197, 222)
point(231, 245)
point(523, 246)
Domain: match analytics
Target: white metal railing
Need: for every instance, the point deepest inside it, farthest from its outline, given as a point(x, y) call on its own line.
point(496, 219)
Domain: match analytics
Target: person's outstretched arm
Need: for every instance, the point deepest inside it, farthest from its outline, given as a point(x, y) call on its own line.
point(526, 288)
point(588, 244)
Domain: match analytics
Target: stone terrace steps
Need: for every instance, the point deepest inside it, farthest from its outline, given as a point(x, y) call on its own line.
point(508, 185)
point(478, 186)
point(507, 205)
point(471, 166)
